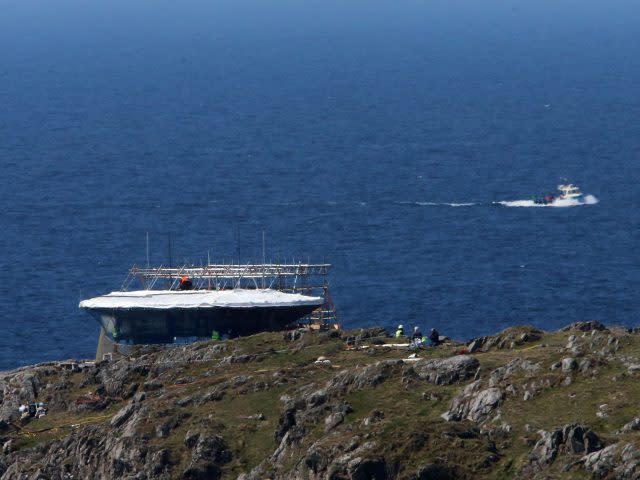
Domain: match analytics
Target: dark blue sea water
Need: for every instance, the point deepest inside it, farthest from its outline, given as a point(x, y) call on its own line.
point(344, 129)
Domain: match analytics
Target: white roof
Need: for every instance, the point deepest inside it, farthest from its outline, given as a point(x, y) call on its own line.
point(165, 299)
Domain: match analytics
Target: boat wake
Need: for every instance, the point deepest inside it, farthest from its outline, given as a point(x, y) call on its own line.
point(569, 202)
point(437, 204)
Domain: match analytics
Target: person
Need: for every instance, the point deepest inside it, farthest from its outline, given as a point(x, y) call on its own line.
point(185, 283)
point(416, 338)
point(400, 331)
point(434, 338)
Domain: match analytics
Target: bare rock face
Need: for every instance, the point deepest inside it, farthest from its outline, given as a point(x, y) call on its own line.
point(620, 461)
point(500, 376)
point(508, 339)
point(123, 415)
point(208, 453)
point(474, 404)
point(354, 462)
point(572, 439)
point(584, 326)
point(91, 453)
point(569, 364)
point(369, 376)
point(633, 425)
point(445, 371)
point(367, 416)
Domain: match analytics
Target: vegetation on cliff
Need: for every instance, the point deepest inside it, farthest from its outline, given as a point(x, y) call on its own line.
point(520, 404)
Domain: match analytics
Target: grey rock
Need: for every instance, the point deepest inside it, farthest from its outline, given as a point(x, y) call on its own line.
point(139, 397)
point(368, 376)
point(333, 420)
point(476, 344)
point(571, 439)
point(474, 405)
point(601, 463)
point(546, 448)
point(585, 326)
point(214, 395)
point(445, 371)
point(164, 429)
point(569, 364)
point(375, 416)
point(7, 446)
point(317, 398)
point(123, 415)
point(586, 365)
point(209, 453)
point(191, 438)
point(632, 426)
point(237, 359)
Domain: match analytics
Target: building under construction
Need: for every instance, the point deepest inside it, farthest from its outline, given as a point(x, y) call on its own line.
point(182, 304)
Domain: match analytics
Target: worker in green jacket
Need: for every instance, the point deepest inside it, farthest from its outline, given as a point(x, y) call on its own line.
point(400, 331)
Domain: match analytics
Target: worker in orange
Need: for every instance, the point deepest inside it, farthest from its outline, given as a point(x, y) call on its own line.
point(185, 283)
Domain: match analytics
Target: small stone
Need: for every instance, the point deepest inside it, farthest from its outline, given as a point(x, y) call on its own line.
point(567, 381)
point(527, 396)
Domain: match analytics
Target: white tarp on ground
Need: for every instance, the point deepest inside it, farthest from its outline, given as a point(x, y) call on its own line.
point(164, 299)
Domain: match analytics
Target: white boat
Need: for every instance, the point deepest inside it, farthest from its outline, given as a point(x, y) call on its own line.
point(567, 193)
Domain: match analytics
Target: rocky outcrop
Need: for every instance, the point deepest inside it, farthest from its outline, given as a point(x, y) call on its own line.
point(474, 404)
point(584, 326)
point(368, 376)
point(445, 371)
point(508, 339)
point(208, 454)
point(571, 439)
point(620, 461)
point(632, 426)
point(264, 407)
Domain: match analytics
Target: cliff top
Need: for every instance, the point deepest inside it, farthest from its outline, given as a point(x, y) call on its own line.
point(519, 404)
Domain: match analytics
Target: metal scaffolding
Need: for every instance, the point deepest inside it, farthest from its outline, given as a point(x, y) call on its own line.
point(305, 278)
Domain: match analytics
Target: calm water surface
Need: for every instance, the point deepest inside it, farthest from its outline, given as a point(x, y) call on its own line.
point(375, 136)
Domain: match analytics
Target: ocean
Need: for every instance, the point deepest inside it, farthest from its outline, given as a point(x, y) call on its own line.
point(377, 136)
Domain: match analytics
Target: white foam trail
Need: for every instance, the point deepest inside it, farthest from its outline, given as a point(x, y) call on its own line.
point(587, 200)
point(437, 204)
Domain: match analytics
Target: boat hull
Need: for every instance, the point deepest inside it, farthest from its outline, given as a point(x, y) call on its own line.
point(161, 326)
